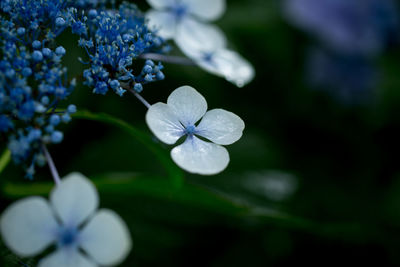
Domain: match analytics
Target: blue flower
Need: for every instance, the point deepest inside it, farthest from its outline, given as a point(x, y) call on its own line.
point(32, 224)
point(348, 26)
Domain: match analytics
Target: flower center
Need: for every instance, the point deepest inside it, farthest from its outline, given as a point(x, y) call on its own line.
point(208, 57)
point(179, 11)
point(67, 237)
point(190, 129)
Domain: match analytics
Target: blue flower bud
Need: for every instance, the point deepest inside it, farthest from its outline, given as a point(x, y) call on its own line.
point(34, 134)
point(150, 63)
point(160, 76)
point(36, 44)
point(114, 84)
point(60, 22)
point(21, 31)
point(92, 13)
point(138, 87)
point(148, 78)
point(37, 56)
point(46, 52)
point(66, 118)
point(60, 51)
point(54, 119)
point(56, 137)
point(71, 109)
point(147, 69)
point(45, 100)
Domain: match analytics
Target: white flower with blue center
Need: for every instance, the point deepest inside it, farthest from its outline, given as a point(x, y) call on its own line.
point(179, 118)
point(169, 15)
point(83, 236)
point(206, 46)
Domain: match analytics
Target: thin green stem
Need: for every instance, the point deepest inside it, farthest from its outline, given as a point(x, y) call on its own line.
point(174, 173)
point(5, 159)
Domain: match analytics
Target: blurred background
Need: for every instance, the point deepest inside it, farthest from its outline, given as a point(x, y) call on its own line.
point(315, 178)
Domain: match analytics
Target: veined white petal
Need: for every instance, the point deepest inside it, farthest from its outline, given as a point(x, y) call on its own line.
point(206, 9)
point(160, 4)
point(163, 22)
point(66, 258)
point(229, 64)
point(164, 123)
point(75, 199)
point(188, 104)
point(197, 39)
point(221, 126)
point(106, 238)
point(28, 226)
point(198, 156)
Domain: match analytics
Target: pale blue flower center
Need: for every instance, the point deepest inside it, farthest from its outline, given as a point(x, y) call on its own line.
point(68, 237)
point(208, 57)
point(180, 10)
point(190, 129)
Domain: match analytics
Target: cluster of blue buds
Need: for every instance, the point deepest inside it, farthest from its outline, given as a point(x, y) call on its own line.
point(112, 41)
point(33, 80)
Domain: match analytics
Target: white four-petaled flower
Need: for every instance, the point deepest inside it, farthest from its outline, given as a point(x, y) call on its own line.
point(206, 45)
point(169, 15)
point(179, 117)
point(84, 237)
point(185, 21)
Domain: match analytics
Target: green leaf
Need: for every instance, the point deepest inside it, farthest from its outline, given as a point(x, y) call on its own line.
point(5, 159)
point(156, 187)
point(195, 196)
point(174, 172)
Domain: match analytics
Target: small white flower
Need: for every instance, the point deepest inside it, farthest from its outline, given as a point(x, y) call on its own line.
point(178, 118)
point(206, 45)
point(169, 15)
point(84, 237)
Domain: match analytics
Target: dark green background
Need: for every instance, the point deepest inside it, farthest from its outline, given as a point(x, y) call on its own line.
point(346, 209)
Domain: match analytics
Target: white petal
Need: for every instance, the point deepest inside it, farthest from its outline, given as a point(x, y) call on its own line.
point(206, 9)
point(106, 238)
point(66, 258)
point(188, 104)
point(160, 4)
point(75, 199)
point(28, 226)
point(196, 39)
point(163, 22)
point(221, 126)
point(230, 65)
point(197, 156)
point(164, 123)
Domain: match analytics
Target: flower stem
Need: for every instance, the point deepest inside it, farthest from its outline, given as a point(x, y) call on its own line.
point(141, 99)
point(52, 167)
point(168, 59)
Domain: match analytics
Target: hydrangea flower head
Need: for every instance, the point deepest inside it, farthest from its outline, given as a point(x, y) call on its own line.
point(169, 15)
point(113, 41)
point(83, 236)
point(178, 118)
point(33, 80)
point(347, 26)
